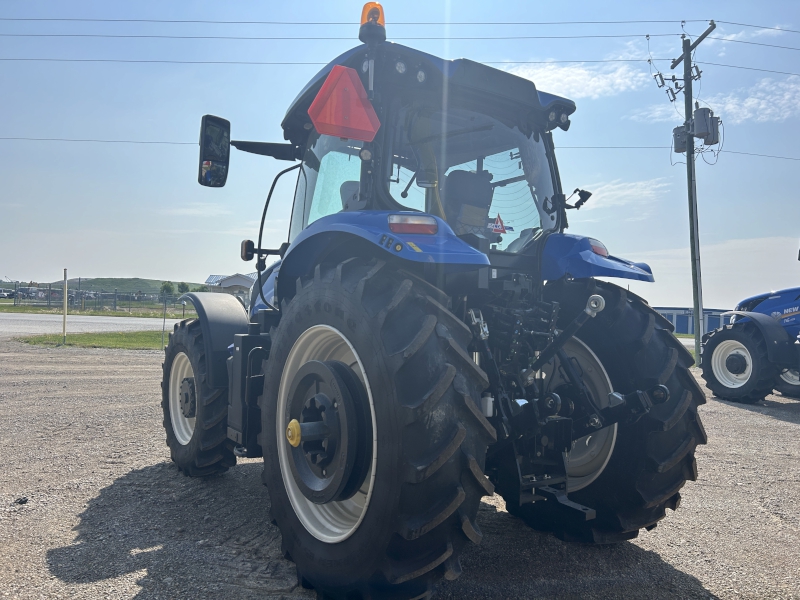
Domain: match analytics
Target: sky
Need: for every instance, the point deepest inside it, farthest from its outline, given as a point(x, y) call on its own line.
point(136, 210)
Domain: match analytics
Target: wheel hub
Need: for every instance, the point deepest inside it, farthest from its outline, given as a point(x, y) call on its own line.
point(188, 400)
point(328, 431)
point(736, 364)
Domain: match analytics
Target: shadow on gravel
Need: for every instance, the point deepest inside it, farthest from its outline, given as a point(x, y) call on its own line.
point(776, 406)
point(514, 561)
point(188, 538)
point(181, 537)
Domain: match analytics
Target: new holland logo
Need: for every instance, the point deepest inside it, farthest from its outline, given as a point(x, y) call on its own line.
point(497, 226)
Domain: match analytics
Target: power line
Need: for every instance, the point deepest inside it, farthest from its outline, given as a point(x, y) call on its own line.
point(549, 62)
point(350, 23)
point(245, 62)
point(758, 26)
point(174, 62)
point(711, 37)
point(31, 139)
point(348, 38)
point(703, 62)
point(170, 143)
point(261, 63)
point(763, 155)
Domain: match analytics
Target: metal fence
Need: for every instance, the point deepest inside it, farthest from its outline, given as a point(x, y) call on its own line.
point(51, 296)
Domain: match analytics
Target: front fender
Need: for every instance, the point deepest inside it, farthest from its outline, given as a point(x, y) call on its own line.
point(444, 248)
point(221, 317)
point(780, 348)
point(572, 255)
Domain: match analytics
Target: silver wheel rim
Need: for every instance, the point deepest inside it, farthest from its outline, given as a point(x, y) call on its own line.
point(720, 369)
point(791, 376)
point(590, 454)
point(182, 427)
point(335, 521)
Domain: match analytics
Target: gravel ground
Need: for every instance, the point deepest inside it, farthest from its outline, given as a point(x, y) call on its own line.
point(108, 516)
point(14, 324)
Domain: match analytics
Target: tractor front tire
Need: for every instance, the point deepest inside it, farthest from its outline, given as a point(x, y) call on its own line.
point(788, 383)
point(736, 365)
point(416, 501)
point(652, 458)
point(195, 415)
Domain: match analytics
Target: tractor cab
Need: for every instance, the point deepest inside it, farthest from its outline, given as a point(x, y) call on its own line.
point(458, 140)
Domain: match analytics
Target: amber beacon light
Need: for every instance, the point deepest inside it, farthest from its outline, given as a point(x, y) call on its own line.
point(373, 23)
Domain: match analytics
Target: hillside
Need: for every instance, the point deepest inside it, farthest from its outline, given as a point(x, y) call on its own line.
point(121, 284)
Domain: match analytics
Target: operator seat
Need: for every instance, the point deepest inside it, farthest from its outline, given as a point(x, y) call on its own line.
point(467, 197)
point(349, 193)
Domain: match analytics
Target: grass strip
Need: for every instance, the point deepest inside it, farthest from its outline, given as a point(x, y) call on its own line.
point(128, 340)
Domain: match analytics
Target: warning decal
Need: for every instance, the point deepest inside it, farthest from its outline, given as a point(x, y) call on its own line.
point(497, 226)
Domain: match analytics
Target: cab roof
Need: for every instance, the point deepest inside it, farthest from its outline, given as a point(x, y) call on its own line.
point(464, 73)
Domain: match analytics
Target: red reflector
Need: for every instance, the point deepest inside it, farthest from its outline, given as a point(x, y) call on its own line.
point(413, 224)
point(598, 247)
point(342, 108)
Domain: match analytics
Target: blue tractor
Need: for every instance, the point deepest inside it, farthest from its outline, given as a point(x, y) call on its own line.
point(758, 352)
point(430, 334)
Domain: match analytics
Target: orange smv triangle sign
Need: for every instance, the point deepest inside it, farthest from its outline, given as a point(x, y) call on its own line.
point(342, 108)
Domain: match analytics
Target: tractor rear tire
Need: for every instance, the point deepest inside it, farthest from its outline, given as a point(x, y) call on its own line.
point(415, 509)
point(748, 382)
point(653, 457)
point(196, 426)
point(788, 383)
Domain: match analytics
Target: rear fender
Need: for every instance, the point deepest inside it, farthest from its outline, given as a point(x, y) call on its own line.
point(780, 348)
point(572, 255)
point(221, 317)
point(368, 232)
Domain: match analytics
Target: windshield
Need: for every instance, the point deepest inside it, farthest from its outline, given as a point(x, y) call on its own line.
point(474, 171)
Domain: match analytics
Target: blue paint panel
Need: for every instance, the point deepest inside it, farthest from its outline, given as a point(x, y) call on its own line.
point(783, 305)
point(566, 254)
point(682, 324)
point(443, 248)
point(546, 100)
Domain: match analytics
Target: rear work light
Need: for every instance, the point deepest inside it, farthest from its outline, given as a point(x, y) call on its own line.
point(413, 224)
point(598, 247)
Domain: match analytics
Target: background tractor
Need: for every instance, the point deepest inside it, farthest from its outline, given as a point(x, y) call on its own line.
point(758, 352)
point(430, 335)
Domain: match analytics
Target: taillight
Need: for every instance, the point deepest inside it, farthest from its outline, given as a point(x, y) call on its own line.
point(413, 224)
point(598, 247)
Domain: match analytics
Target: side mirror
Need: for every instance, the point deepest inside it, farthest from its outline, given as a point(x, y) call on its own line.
point(215, 151)
point(248, 250)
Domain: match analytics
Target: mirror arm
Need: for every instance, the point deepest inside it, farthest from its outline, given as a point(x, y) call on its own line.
point(277, 151)
point(269, 252)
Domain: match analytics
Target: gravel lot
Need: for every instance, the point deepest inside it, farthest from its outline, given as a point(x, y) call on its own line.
point(108, 516)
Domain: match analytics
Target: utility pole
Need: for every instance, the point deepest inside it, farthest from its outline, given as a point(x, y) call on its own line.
point(694, 240)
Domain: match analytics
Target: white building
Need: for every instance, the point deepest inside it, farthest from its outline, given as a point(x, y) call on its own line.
point(238, 284)
point(683, 318)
